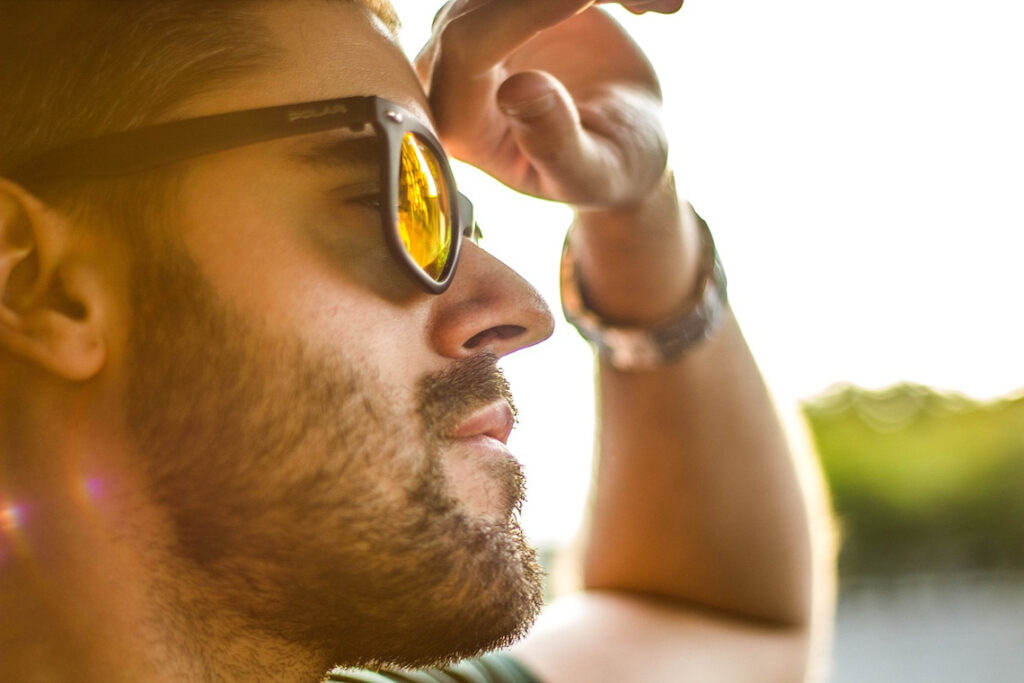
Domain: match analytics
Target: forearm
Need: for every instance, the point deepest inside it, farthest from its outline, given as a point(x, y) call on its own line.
point(696, 496)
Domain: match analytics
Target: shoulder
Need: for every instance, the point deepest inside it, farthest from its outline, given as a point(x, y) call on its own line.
point(609, 637)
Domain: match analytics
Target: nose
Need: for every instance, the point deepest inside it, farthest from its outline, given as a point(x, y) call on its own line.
point(488, 307)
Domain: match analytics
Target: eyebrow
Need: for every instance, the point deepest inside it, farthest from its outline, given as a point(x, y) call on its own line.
point(345, 152)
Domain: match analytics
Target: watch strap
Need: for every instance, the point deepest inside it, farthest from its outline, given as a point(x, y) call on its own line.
point(646, 348)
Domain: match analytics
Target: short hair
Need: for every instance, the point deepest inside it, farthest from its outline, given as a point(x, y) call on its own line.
point(74, 69)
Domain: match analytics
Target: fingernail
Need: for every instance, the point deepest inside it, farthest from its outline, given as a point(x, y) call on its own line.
point(530, 109)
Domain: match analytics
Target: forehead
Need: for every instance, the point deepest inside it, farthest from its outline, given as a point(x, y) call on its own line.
point(324, 49)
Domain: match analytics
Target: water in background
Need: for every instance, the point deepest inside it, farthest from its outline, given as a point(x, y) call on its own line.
point(961, 628)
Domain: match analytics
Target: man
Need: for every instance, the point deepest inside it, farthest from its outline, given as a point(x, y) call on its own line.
point(252, 426)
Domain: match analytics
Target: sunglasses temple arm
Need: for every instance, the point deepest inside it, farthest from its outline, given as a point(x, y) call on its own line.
point(470, 228)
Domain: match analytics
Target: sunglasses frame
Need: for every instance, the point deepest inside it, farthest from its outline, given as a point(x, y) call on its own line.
point(149, 147)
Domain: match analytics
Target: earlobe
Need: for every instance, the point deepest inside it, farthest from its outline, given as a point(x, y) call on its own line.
point(49, 296)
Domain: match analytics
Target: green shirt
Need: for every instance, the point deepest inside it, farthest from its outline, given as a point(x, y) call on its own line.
point(493, 668)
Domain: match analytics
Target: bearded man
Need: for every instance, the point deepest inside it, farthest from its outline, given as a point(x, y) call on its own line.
point(251, 421)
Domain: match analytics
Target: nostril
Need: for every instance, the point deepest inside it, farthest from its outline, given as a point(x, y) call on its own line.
point(494, 334)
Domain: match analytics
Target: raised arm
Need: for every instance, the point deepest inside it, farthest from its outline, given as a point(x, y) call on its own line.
point(698, 561)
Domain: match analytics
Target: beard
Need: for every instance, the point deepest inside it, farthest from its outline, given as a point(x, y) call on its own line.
point(304, 499)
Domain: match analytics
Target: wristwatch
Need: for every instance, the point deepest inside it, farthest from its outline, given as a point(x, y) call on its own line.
point(647, 348)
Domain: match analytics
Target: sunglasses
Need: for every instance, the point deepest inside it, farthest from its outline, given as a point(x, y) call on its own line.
point(423, 215)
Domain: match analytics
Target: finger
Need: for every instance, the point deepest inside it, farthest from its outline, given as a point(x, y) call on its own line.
point(546, 127)
point(462, 93)
point(478, 36)
point(424, 61)
point(643, 6)
point(545, 120)
point(567, 160)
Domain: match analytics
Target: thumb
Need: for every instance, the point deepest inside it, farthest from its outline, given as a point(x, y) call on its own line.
point(546, 126)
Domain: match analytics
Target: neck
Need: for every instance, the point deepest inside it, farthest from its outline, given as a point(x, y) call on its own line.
point(57, 626)
point(88, 592)
point(71, 592)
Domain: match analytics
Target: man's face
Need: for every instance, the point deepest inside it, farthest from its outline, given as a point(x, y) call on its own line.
point(293, 394)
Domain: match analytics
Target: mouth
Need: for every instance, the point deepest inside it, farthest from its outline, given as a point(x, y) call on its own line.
point(494, 420)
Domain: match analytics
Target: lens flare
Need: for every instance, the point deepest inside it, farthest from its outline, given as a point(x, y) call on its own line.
point(93, 487)
point(11, 518)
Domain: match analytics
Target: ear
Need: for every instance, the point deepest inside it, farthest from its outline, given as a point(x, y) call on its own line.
point(50, 299)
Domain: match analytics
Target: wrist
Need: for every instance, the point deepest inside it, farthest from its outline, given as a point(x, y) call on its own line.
point(650, 346)
point(634, 264)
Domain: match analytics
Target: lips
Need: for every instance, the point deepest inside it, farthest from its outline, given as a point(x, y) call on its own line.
point(494, 420)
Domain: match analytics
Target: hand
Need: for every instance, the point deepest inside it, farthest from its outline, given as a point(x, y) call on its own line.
point(550, 97)
point(644, 6)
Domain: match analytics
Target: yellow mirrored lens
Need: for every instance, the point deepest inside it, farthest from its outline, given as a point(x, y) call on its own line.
point(424, 207)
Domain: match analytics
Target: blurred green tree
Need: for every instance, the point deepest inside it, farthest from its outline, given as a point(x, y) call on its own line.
point(923, 481)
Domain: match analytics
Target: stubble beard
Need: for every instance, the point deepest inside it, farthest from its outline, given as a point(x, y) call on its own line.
point(303, 499)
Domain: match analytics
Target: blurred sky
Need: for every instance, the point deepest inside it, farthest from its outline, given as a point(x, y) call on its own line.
point(862, 167)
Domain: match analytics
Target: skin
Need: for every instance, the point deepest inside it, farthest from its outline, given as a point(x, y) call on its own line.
point(340, 528)
point(682, 574)
point(699, 540)
point(275, 218)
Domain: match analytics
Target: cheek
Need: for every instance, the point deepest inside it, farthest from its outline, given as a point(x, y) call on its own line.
point(119, 314)
point(275, 253)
